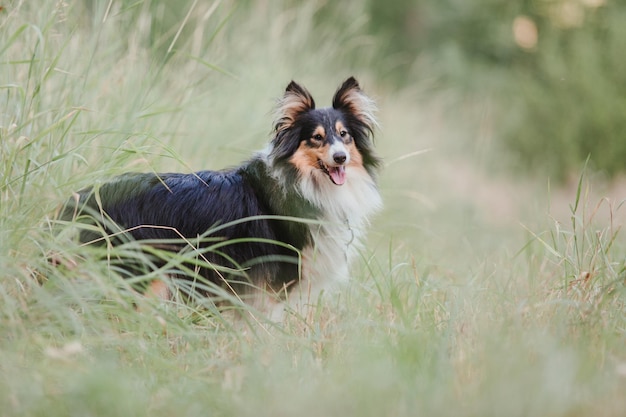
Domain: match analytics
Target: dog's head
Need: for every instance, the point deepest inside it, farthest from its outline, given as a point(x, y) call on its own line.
point(325, 144)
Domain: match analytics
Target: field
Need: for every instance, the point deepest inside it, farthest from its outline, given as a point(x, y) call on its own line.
point(480, 293)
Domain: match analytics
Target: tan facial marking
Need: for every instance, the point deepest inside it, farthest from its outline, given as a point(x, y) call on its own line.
point(339, 127)
point(355, 156)
point(319, 131)
point(306, 158)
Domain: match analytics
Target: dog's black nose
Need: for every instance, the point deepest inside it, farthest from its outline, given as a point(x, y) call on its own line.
point(339, 157)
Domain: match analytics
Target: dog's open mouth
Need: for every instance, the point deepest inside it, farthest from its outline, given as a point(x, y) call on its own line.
point(336, 174)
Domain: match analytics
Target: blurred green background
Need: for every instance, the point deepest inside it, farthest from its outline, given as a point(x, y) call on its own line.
point(549, 74)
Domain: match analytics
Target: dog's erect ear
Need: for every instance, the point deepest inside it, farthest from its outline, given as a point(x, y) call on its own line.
point(296, 101)
point(350, 99)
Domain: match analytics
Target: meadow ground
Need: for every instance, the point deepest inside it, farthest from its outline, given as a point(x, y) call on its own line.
point(479, 293)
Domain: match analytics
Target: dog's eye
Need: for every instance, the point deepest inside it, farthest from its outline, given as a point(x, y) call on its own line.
point(343, 133)
point(317, 137)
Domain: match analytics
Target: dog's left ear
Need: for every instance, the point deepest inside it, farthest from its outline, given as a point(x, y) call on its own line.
point(350, 99)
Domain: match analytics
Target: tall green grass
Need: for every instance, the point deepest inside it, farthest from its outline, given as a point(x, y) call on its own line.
point(451, 311)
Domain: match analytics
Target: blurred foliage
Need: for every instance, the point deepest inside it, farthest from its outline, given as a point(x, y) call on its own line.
point(553, 71)
point(571, 95)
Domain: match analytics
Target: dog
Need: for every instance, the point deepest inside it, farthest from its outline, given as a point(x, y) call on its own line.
point(287, 222)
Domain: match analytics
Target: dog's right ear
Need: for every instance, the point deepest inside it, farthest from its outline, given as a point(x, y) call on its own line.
point(296, 101)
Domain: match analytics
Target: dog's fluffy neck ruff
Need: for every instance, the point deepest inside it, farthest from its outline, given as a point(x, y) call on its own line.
point(342, 213)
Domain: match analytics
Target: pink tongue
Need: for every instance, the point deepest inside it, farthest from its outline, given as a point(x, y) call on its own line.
point(338, 174)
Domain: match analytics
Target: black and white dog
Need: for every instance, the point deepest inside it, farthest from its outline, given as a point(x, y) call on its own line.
point(319, 166)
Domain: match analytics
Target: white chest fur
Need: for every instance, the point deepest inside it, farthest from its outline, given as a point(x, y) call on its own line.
point(337, 239)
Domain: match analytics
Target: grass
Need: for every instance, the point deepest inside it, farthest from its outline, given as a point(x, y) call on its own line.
point(476, 296)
